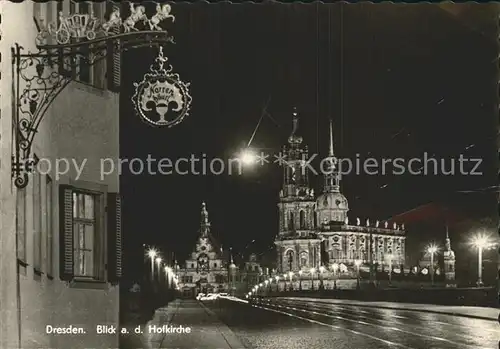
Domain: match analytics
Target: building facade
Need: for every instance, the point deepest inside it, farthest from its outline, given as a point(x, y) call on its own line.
point(60, 238)
point(315, 241)
point(210, 269)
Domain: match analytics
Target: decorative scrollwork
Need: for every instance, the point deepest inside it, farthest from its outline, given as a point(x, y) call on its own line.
point(75, 39)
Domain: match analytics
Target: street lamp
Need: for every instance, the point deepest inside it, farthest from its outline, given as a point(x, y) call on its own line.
point(313, 270)
point(335, 267)
point(357, 263)
point(248, 157)
point(158, 262)
point(152, 253)
point(432, 249)
point(390, 257)
point(168, 272)
point(290, 274)
point(321, 271)
point(480, 241)
point(300, 280)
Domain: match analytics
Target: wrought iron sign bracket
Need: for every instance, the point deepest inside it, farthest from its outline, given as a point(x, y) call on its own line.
point(77, 39)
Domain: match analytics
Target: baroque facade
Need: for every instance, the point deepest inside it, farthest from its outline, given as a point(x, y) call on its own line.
point(210, 269)
point(60, 257)
point(315, 236)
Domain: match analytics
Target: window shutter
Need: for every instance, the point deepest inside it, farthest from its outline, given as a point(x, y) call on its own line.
point(66, 232)
point(114, 54)
point(114, 237)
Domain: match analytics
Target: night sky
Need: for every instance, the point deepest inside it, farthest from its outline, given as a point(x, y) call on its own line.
point(396, 80)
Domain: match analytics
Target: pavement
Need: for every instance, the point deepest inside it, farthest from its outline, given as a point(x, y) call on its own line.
point(481, 313)
point(299, 324)
point(189, 324)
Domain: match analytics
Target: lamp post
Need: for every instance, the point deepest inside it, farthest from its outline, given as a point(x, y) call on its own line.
point(300, 280)
point(321, 284)
point(277, 283)
point(168, 272)
point(390, 257)
point(335, 267)
point(158, 262)
point(313, 270)
point(481, 242)
point(152, 255)
point(357, 263)
point(432, 249)
point(290, 274)
point(266, 282)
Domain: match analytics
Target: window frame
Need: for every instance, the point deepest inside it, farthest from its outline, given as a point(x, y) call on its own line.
point(49, 225)
point(99, 235)
point(37, 215)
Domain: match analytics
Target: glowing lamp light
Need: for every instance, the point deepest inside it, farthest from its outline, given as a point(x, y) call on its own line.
point(432, 249)
point(313, 270)
point(322, 269)
point(300, 272)
point(335, 266)
point(481, 241)
point(158, 260)
point(248, 157)
point(425, 271)
point(357, 263)
point(152, 253)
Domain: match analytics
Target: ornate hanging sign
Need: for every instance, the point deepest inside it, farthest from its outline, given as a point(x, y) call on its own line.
point(161, 98)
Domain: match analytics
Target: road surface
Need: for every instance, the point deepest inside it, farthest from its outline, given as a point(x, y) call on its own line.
point(297, 324)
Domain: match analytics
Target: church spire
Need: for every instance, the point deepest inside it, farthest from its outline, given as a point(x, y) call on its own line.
point(330, 152)
point(205, 224)
point(295, 140)
point(332, 177)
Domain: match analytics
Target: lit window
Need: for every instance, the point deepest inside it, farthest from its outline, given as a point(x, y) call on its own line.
point(84, 234)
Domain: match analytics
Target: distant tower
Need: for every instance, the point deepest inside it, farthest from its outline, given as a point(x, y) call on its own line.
point(331, 205)
point(449, 261)
point(204, 223)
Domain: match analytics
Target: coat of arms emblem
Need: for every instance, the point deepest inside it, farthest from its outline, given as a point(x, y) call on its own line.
point(161, 98)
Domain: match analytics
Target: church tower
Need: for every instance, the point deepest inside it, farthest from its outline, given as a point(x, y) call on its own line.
point(449, 261)
point(204, 223)
point(331, 205)
point(296, 241)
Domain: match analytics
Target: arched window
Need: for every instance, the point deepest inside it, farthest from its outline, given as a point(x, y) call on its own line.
point(303, 259)
point(289, 259)
point(291, 223)
point(302, 220)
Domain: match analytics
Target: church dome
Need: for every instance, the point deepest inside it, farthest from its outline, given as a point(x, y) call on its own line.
point(331, 207)
point(335, 200)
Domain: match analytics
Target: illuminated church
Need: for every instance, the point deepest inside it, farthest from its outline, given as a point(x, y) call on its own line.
point(210, 269)
point(316, 239)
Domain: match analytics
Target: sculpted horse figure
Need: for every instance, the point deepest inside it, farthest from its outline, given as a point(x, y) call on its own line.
point(162, 13)
point(136, 14)
point(115, 20)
